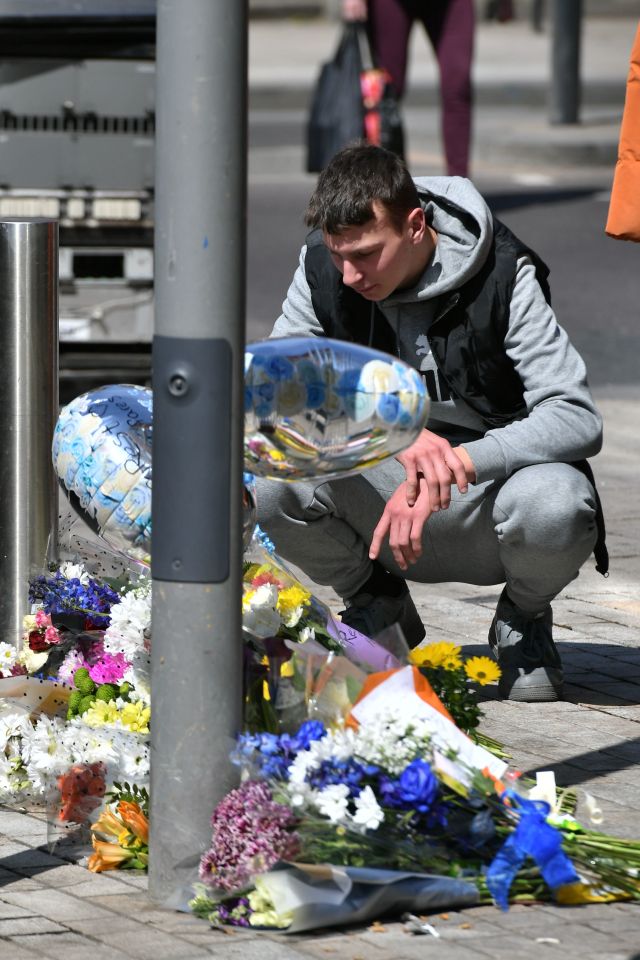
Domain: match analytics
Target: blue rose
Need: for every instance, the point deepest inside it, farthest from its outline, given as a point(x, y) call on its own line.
point(416, 788)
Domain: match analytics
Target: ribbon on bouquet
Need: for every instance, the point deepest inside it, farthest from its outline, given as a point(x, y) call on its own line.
point(533, 837)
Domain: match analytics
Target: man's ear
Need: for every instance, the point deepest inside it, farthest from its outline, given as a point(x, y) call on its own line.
point(417, 225)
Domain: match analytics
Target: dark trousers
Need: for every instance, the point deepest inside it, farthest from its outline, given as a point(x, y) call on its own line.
point(450, 26)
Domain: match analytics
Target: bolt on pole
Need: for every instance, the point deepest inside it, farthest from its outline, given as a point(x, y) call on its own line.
point(198, 380)
point(564, 92)
point(28, 410)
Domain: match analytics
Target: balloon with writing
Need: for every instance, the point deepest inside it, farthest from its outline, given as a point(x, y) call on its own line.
point(102, 456)
point(316, 407)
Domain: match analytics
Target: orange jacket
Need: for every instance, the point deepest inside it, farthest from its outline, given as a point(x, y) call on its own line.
point(624, 210)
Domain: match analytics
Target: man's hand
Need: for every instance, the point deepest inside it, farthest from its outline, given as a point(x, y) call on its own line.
point(440, 465)
point(403, 524)
point(354, 9)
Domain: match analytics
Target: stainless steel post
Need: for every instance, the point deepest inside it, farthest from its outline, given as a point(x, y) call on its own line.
point(198, 379)
point(28, 410)
point(566, 18)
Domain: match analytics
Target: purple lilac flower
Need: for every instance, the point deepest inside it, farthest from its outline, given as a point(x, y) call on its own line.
point(251, 832)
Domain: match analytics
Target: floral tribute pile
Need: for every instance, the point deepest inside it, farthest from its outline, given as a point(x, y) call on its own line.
point(365, 784)
point(75, 698)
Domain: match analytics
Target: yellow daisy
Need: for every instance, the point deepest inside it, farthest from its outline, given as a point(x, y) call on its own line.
point(444, 654)
point(482, 670)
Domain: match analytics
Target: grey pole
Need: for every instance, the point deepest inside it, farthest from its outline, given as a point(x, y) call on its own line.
point(28, 410)
point(566, 17)
point(198, 380)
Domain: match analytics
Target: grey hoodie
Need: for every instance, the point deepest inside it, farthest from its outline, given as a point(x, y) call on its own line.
point(562, 423)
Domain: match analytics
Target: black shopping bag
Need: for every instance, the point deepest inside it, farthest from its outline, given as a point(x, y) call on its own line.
point(337, 112)
point(353, 100)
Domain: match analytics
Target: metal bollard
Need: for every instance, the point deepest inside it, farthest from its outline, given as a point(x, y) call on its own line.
point(564, 90)
point(28, 410)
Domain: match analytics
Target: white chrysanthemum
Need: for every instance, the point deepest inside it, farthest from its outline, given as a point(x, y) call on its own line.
point(391, 741)
point(73, 571)
point(139, 675)
point(45, 752)
point(368, 813)
point(133, 757)
point(88, 745)
point(304, 761)
point(12, 726)
point(259, 614)
point(332, 802)
point(8, 656)
point(130, 621)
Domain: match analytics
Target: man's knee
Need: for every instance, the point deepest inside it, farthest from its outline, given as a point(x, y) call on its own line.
point(548, 505)
point(276, 500)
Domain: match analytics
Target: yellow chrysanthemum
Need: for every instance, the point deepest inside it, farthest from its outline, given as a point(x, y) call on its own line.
point(443, 654)
point(290, 599)
point(482, 670)
point(136, 717)
point(100, 713)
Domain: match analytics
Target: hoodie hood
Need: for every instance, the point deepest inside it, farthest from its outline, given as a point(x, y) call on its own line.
point(464, 224)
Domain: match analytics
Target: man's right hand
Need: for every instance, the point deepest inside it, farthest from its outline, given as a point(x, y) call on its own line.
point(403, 525)
point(354, 9)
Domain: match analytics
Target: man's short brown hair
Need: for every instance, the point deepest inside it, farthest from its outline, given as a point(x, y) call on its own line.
point(352, 181)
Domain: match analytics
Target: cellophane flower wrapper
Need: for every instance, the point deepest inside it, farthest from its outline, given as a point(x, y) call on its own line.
point(292, 682)
point(309, 897)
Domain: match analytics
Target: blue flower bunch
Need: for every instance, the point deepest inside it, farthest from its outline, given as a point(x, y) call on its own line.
point(271, 754)
point(59, 594)
point(350, 772)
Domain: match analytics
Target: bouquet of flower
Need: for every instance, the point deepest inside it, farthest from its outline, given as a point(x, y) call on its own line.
point(120, 835)
point(71, 590)
point(385, 794)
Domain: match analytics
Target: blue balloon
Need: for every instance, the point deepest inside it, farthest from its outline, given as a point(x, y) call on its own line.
point(316, 407)
point(102, 456)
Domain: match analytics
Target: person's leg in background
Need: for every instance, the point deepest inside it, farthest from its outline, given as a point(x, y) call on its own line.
point(450, 25)
point(389, 25)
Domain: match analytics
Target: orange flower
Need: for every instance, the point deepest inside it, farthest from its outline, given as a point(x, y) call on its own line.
point(107, 856)
point(82, 788)
point(134, 819)
point(108, 824)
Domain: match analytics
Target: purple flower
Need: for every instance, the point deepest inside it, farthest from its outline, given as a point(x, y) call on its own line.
point(416, 788)
point(251, 832)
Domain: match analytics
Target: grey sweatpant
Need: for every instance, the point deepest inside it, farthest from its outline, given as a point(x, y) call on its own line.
point(533, 531)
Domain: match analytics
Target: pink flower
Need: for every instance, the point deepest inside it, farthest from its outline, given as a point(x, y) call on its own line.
point(263, 578)
point(42, 619)
point(51, 635)
point(110, 668)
